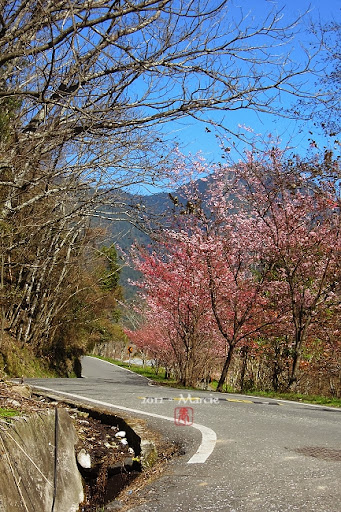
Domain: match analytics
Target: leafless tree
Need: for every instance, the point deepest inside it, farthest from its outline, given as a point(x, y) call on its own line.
point(329, 109)
point(96, 79)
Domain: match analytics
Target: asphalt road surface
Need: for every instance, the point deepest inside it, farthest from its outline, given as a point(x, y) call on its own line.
point(241, 454)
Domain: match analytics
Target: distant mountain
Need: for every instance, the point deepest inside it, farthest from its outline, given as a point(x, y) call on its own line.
point(126, 221)
point(125, 225)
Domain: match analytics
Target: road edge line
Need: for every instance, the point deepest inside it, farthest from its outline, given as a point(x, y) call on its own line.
point(208, 436)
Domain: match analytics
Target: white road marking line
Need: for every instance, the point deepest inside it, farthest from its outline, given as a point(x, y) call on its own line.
point(208, 436)
point(208, 442)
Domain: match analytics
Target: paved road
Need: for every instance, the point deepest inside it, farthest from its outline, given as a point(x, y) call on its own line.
point(268, 455)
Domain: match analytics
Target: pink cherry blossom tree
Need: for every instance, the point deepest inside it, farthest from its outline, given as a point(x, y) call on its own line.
point(205, 284)
point(177, 318)
point(296, 207)
point(256, 255)
point(237, 274)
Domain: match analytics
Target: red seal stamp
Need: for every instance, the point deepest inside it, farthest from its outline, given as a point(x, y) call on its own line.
point(183, 416)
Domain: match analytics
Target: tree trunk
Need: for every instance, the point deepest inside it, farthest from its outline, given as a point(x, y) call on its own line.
point(293, 374)
point(225, 368)
point(244, 357)
point(300, 339)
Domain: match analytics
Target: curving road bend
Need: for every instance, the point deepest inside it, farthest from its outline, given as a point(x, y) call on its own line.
point(242, 454)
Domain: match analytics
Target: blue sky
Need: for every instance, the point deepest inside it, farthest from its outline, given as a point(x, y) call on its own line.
point(193, 136)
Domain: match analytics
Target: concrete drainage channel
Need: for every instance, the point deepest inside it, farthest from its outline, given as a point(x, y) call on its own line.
point(120, 474)
point(43, 467)
point(104, 482)
point(101, 490)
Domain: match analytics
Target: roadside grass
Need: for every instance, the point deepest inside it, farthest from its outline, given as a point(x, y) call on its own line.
point(299, 397)
point(17, 361)
point(8, 413)
point(150, 373)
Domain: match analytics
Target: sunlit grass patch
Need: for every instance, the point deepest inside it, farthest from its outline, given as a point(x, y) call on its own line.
point(299, 397)
point(8, 413)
